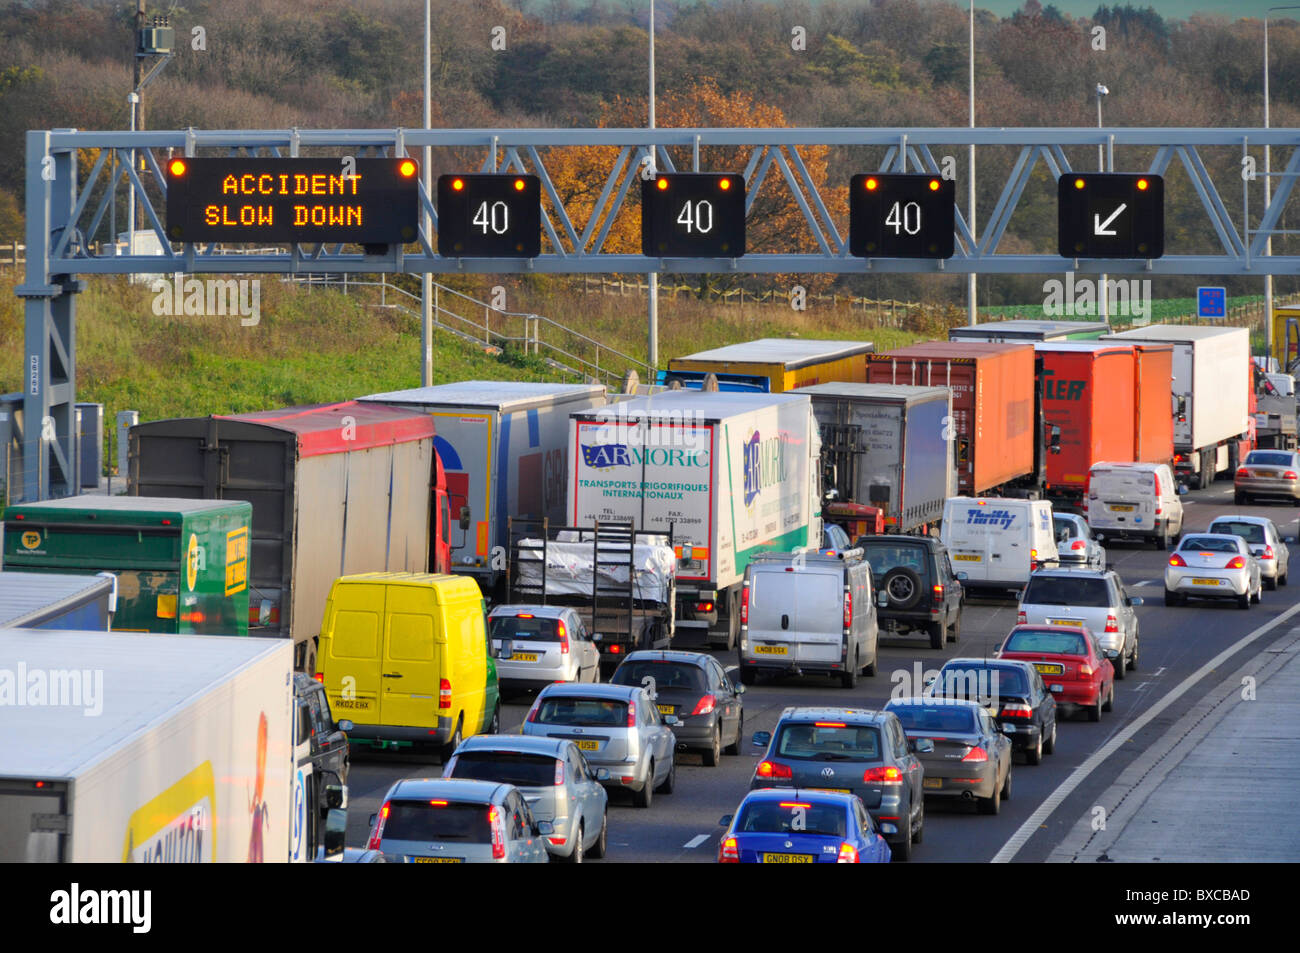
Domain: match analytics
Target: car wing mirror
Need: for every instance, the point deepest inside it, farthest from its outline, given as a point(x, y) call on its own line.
point(465, 518)
point(602, 774)
point(545, 828)
point(671, 720)
point(762, 739)
point(882, 599)
point(345, 725)
point(336, 830)
point(921, 745)
point(1182, 489)
point(503, 648)
point(725, 820)
point(336, 795)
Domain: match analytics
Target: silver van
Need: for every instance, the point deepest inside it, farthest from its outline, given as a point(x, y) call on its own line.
point(808, 613)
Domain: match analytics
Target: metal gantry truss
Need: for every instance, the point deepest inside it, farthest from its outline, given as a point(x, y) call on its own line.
point(66, 210)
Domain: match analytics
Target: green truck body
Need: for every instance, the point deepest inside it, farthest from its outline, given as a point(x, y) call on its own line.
point(182, 565)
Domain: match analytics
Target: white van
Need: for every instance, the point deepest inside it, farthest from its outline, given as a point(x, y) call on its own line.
point(808, 613)
point(998, 542)
point(1135, 500)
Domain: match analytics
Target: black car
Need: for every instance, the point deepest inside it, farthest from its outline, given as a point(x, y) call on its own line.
point(327, 754)
point(921, 592)
point(694, 687)
point(1014, 694)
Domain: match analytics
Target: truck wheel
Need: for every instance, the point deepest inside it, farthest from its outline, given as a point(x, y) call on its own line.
point(903, 587)
point(849, 677)
point(646, 795)
point(936, 634)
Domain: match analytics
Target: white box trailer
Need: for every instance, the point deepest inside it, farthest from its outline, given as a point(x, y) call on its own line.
point(145, 747)
point(1211, 393)
point(727, 475)
point(503, 446)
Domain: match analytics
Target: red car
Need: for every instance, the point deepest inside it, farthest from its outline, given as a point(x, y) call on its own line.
point(1070, 661)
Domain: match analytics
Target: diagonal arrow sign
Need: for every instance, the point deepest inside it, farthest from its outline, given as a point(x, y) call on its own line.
point(1099, 227)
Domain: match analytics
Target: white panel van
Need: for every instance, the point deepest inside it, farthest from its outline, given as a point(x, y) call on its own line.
point(1135, 500)
point(997, 542)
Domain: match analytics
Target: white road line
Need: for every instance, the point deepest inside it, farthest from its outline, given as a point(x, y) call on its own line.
point(1158, 672)
point(696, 841)
point(1098, 757)
point(1144, 582)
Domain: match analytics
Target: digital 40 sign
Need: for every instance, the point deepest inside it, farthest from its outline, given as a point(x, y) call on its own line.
point(350, 200)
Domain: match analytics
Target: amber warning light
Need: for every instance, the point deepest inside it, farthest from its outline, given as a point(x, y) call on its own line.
point(365, 201)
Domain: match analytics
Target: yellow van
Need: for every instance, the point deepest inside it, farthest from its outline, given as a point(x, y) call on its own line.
point(405, 656)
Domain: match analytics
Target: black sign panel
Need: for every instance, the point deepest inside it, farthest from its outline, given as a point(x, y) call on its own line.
point(1110, 215)
point(357, 201)
point(490, 215)
point(901, 215)
point(693, 215)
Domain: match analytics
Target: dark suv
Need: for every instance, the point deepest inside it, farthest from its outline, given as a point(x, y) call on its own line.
point(921, 593)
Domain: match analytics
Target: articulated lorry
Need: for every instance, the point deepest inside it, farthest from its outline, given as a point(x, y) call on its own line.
point(1210, 394)
point(771, 365)
point(503, 446)
point(148, 749)
point(1030, 330)
point(725, 475)
point(888, 447)
point(335, 489)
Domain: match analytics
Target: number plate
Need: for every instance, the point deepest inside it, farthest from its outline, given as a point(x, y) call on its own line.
point(1077, 623)
point(788, 858)
point(1205, 582)
point(666, 709)
point(588, 745)
point(966, 558)
point(349, 704)
point(836, 790)
point(524, 657)
point(1122, 509)
point(1049, 668)
point(932, 782)
point(437, 860)
point(771, 650)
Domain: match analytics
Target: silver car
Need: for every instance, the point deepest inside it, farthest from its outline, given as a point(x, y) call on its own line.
point(1075, 542)
point(1265, 543)
point(616, 727)
point(555, 781)
point(1212, 566)
point(1086, 598)
point(538, 645)
point(453, 821)
point(1267, 473)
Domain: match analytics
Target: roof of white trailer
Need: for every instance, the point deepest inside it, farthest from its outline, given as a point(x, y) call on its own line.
point(1173, 332)
point(145, 678)
point(788, 352)
point(25, 596)
point(492, 395)
point(709, 405)
point(878, 391)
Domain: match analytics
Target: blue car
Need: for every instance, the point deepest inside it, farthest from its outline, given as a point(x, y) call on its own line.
point(801, 826)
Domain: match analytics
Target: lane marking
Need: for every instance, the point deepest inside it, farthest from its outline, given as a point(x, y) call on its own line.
point(1098, 757)
point(1158, 672)
point(696, 841)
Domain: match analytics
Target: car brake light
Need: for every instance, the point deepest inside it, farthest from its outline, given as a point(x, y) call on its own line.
point(1112, 624)
point(829, 724)
point(631, 714)
point(1267, 553)
point(320, 676)
point(1016, 710)
point(704, 607)
point(1291, 475)
point(848, 854)
point(564, 640)
point(976, 754)
point(938, 592)
point(1156, 479)
point(1033, 559)
point(1176, 560)
point(704, 705)
point(882, 775)
point(1022, 618)
point(377, 834)
point(1242, 472)
point(498, 833)
point(559, 771)
point(728, 852)
point(1236, 562)
point(444, 693)
point(744, 605)
point(848, 609)
point(525, 615)
point(532, 712)
point(1085, 671)
point(770, 769)
point(1079, 544)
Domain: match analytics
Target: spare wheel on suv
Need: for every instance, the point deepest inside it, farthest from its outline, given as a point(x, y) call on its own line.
point(903, 586)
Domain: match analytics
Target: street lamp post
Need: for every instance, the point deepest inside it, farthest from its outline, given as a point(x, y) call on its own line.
point(652, 316)
point(134, 99)
point(426, 280)
point(971, 309)
point(1268, 194)
point(1103, 304)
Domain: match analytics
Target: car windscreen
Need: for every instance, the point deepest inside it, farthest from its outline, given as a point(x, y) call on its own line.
point(885, 557)
point(829, 741)
point(792, 817)
point(526, 628)
point(935, 718)
point(1088, 591)
point(1052, 643)
point(1266, 459)
point(428, 821)
point(590, 712)
point(665, 675)
point(1206, 545)
point(978, 681)
point(509, 767)
point(1065, 529)
point(1250, 532)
